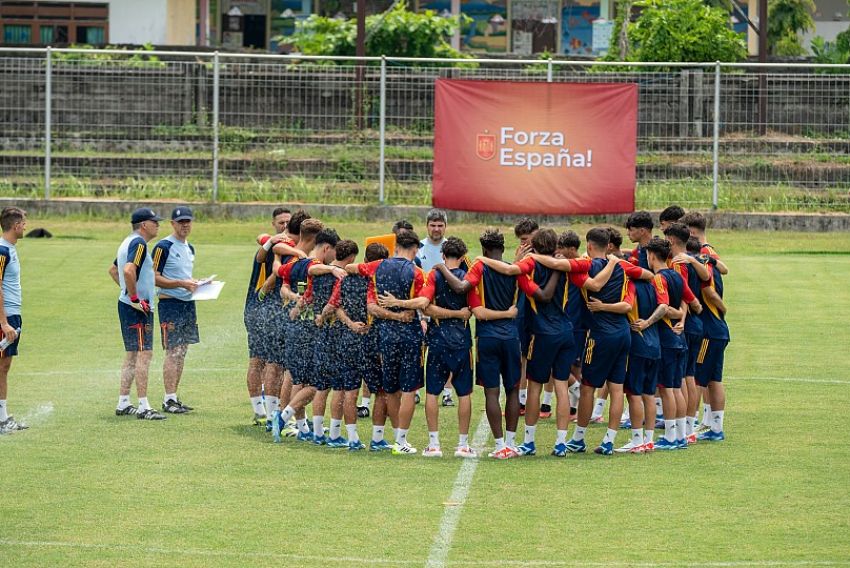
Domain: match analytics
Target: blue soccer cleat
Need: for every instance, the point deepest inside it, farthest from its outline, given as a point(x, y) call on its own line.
point(576, 446)
point(304, 437)
point(560, 450)
point(277, 426)
point(626, 424)
point(711, 436)
point(682, 444)
point(527, 449)
point(605, 449)
point(269, 424)
point(663, 444)
point(381, 446)
point(320, 440)
point(355, 446)
point(338, 443)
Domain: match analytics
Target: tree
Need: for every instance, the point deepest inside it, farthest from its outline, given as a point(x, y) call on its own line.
point(684, 31)
point(786, 19)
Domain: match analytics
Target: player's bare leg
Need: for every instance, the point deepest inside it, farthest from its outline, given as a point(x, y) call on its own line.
point(254, 381)
point(172, 370)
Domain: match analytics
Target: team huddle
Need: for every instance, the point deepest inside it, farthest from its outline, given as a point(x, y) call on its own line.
point(646, 326)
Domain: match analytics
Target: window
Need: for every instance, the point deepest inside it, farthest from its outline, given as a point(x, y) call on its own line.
point(17, 33)
point(92, 35)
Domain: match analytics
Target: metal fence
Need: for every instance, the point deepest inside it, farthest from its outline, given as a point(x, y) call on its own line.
point(243, 127)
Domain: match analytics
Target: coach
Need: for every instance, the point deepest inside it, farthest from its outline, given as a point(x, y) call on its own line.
point(13, 221)
point(173, 261)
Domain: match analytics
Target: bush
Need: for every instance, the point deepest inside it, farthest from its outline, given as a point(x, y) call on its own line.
point(786, 19)
point(684, 31)
point(837, 52)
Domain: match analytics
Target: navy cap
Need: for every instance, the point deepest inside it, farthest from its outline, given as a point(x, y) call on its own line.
point(144, 214)
point(181, 214)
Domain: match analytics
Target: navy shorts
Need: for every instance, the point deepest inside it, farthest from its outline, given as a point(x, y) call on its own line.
point(401, 365)
point(178, 323)
point(136, 328)
point(12, 349)
point(694, 344)
point(498, 359)
point(580, 339)
point(606, 358)
point(372, 371)
point(550, 356)
point(272, 322)
point(673, 362)
point(300, 351)
point(444, 362)
point(524, 335)
point(345, 363)
point(641, 376)
point(256, 345)
point(710, 361)
point(326, 358)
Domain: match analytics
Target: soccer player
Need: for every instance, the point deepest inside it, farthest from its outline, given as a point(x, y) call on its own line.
point(133, 272)
point(524, 230)
point(173, 261)
point(13, 222)
point(300, 332)
point(639, 227)
point(695, 273)
point(552, 348)
point(449, 344)
point(670, 215)
point(400, 342)
point(568, 248)
point(673, 290)
point(359, 349)
point(696, 224)
point(492, 297)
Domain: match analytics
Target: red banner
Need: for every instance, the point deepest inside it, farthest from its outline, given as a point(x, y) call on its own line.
point(541, 148)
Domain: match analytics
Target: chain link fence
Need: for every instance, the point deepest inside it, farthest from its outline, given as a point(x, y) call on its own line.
point(228, 127)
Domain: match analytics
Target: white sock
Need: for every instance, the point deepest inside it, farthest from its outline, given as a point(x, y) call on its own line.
point(257, 405)
point(529, 434)
point(523, 395)
point(336, 428)
point(547, 398)
point(500, 444)
point(598, 408)
point(463, 440)
point(670, 430)
point(648, 436)
point(287, 414)
point(434, 439)
point(610, 436)
point(144, 404)
point(625, 415)
point(365, 401)
point(395, 433)
point(123, 402)
point(168, 397)
point(510, 438)
point(578, 435)
point(301, 424)
point(575, 390)
point(561, 437)
point(352, 433)
point(318, 426)
point(637, 436)
point(717, 420)
point(272, 404)
point(659, 411)
point(706, 413)
point(377, 433)
point(680, 428)
point(447, 392)
point(5, 416)
point(689, 425)
point(401, 436)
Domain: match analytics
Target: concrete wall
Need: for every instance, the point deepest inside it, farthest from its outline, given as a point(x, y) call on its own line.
point(180, 22)
point(160, 22)
point(115, 209)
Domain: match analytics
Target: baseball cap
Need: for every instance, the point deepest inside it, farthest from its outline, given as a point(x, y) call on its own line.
point(181, 214)
point(144, 214)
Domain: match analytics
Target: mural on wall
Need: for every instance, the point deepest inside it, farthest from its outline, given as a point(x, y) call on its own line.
point(577, 26)
point(488, 30)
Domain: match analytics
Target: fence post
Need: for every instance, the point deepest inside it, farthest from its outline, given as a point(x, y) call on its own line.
point(48, 120)
point(549, 70)
point(216, 68)
point(716, 150)
point(383, 130)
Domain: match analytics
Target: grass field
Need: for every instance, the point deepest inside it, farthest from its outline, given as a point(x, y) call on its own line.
point(84, 487)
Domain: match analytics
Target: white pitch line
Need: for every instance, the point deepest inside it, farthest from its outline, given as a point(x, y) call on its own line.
point(451, 515)
point(794, 380)
point(324, 560)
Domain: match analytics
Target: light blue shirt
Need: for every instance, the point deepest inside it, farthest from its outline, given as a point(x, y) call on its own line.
point(174, 260)
point(430, 254)
point(134, 249)
point(10, 268)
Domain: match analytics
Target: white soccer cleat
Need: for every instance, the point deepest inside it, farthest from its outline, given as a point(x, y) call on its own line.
point(403, 449)
point(465, 452)
point(432, 452)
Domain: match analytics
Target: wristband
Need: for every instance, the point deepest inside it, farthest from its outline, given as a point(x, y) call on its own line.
point(267, 246)
point(134, 298)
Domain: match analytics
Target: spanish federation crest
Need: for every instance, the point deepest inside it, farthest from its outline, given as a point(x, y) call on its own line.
point(485, 147)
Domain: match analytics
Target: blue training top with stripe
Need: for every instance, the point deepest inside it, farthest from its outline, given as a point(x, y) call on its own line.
point(550, 318)
point(134, 250)
point(498, 292)
point(397, 276)
point(614, 291)
point(645, 343)
point(675, 290)
point(174, 259)
point(451, 333)
point(10, 273)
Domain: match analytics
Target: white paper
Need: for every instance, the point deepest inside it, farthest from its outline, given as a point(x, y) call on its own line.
point(206, 280)
point(209, 291)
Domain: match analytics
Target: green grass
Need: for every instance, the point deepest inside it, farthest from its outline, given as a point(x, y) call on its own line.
point(83, 487)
